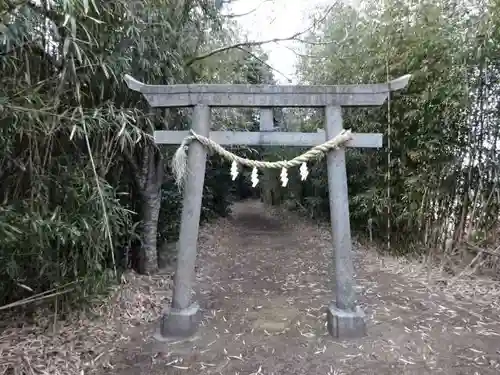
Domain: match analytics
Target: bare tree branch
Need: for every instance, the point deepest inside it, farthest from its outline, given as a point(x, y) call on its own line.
point(237, 46)
point(247, 13)
point(327, 42)
point(259, 43)
point(265, 63)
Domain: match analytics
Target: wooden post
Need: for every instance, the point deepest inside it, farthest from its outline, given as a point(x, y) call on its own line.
point(344, 318)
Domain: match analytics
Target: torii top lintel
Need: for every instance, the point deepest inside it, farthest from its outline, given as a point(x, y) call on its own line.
point(222, 95)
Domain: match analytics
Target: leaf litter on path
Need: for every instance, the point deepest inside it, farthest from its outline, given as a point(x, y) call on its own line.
point(264, 281)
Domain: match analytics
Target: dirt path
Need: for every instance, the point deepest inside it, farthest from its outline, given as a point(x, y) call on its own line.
point(264, 283)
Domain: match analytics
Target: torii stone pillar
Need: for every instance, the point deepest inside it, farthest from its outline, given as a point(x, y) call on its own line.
point(344, 317)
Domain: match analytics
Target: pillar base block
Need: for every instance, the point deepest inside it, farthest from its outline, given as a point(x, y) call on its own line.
point(179, 323)
point(345, 324)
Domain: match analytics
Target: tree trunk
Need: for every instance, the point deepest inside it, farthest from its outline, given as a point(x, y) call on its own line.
point(148, 172)
point(150, 211)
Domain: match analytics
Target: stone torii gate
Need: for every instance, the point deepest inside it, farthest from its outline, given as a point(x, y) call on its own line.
point(344, 317)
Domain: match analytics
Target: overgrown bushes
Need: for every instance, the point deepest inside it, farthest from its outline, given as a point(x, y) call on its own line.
point(76, 157)
point(444, 133)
